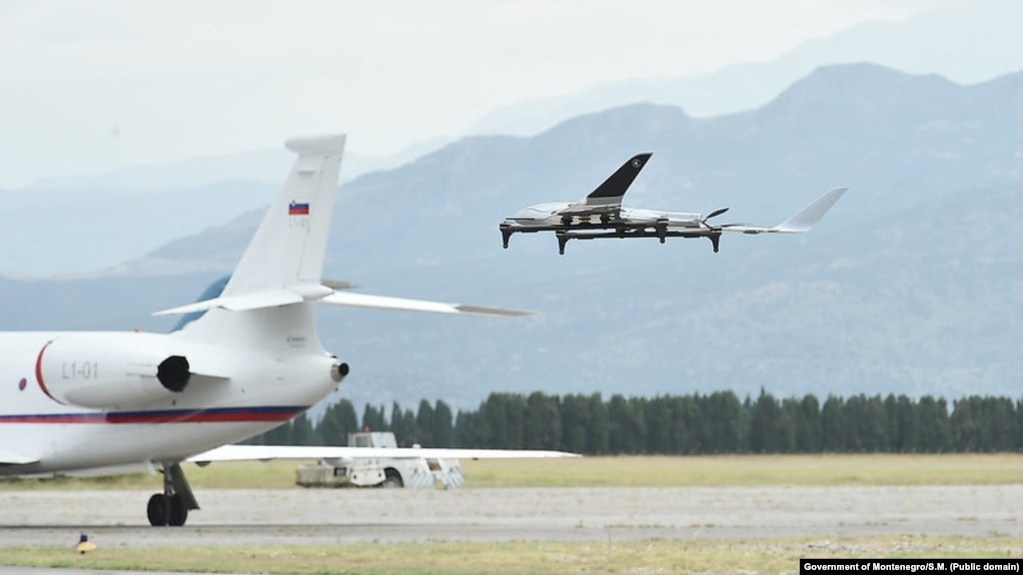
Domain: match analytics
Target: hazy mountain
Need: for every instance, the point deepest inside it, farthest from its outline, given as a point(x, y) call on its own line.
point(912, 284)
point(970, 43)
point(266, 166)
point(84, 230)
point(102, 219)
point(156, 203)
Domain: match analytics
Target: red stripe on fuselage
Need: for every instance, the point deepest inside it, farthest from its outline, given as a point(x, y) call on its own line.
point(197, 417)
point(224, 415)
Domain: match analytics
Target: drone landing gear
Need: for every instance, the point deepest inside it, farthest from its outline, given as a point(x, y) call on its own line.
point(506, 234)
point(715, 241)
point(172, 506)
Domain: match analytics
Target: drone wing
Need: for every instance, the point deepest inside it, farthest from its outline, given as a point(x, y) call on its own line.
point(801, 222)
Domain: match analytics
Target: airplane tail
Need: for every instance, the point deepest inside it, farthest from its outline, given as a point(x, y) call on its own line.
point(291, 242)
point(614, 187)
point(283, 266)
point(283, 263)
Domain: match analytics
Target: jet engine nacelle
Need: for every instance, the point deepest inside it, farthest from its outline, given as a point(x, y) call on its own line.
point(110, 370)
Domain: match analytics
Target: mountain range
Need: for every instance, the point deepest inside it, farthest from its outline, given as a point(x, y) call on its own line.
point(969, 43)
point(911, 284)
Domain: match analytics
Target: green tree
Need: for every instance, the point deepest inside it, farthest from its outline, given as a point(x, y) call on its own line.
point(542, 422)
point(469, 429)
point(867, 424)
point(808, 425)
point(503, 417)
point(338, 421)
point(1001, 414)
point(494, 415)
point(373, 419)
point(443, 430)
point(280, 435)
point(425, 424)
point(767, 434)
point(935, 431)
point(658, 416)
point(302, 431)
point(575, 422)
point(833, 431)
point(906, 438)
point(686, 417)
point(403, 424)
point(964, 428)
point(788, 425)
point(598, 437)
point(628, 429)
point(723, 418)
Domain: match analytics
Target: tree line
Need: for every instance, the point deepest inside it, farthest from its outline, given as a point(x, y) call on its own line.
point(714, 423)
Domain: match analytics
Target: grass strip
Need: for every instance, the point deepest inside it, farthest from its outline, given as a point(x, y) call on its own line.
point(627, 471)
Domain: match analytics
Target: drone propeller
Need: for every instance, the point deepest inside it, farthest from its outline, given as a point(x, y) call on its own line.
point(715, 231)
point(713, 214)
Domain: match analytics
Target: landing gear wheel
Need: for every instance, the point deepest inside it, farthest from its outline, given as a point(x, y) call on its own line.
point(178, 512)
point(171, 507)
point(164, 510)
point(157, 510)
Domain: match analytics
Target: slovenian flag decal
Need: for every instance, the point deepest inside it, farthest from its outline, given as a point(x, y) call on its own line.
point(297, 209)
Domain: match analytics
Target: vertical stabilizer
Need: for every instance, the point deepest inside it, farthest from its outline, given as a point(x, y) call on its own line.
point(607, 197)
point(290, 243)
point(615, 186)
point(283, 264)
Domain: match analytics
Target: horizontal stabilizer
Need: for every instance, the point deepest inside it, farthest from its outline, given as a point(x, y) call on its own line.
point(383, 302)
point(268, 452)
point(323, 294)
point(241, 302)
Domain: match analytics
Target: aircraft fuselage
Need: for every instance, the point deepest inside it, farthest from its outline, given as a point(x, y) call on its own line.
point(55, 382)
point(555, 214)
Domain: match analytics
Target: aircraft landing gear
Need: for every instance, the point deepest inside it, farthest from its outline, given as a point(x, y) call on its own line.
point(715, 241)
point(562, 240)
point(661, 229)
point(506, 233)
point(172, 506)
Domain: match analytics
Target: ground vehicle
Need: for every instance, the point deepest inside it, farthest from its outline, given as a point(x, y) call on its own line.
point(380, 472)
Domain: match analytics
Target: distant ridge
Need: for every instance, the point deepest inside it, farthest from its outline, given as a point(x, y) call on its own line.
point(912, 284)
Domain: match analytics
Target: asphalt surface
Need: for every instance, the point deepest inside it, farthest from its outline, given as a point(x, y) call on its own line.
point(339, 517)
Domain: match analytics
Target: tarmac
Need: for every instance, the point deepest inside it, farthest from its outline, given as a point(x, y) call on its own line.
point(386, 516)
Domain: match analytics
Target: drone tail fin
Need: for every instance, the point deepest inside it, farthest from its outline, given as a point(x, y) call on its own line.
point(614, 187)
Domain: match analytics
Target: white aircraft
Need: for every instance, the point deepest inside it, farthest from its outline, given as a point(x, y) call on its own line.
point(601, 215)
point(99, 403)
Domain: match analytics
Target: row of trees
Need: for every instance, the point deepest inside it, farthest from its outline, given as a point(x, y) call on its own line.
point(688, 424)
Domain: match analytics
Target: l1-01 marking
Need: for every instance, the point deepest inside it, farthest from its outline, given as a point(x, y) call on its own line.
point(79, 370)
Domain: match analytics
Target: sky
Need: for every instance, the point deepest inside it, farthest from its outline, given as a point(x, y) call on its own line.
point(88, 87)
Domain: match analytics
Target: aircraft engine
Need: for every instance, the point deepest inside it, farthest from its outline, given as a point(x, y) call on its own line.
point(110, 370)
point(338, 371)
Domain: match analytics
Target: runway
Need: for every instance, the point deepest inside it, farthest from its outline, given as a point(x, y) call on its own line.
point(342, 517)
